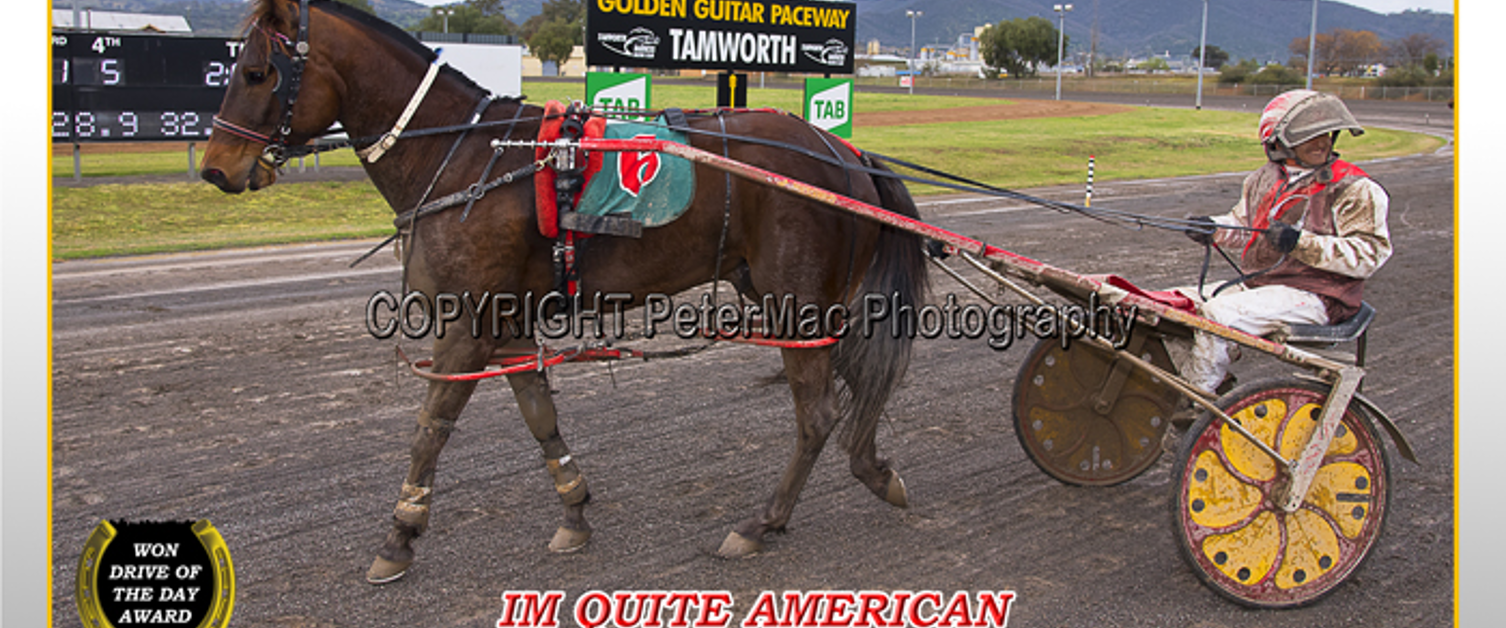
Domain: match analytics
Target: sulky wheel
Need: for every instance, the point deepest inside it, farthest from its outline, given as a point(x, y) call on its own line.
point(1087, 418)
point(1228, 526)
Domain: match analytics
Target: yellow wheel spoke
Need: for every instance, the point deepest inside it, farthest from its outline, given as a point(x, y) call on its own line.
point(1262, 419)
point(1304, 422)
point(1312, 549)
point(1345, 491)
point(1247, 554)
point(1215, 498)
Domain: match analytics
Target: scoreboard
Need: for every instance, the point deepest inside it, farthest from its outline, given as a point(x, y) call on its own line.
point(137, 88)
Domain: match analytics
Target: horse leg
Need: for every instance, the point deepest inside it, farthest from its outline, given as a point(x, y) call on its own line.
point(813, 388)
point(872, 471)
point(537, 405)
point(436, 419)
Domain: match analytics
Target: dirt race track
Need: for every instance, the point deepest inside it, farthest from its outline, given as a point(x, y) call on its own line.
point(241, 387)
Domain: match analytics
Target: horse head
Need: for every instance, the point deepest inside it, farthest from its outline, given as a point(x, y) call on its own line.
point(278, 66)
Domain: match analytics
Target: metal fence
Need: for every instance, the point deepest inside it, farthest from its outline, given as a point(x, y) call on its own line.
point(1354, 92)
point(465, 38)
point(1150, 85)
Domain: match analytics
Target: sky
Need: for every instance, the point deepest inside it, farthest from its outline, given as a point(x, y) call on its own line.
point(1379, 6)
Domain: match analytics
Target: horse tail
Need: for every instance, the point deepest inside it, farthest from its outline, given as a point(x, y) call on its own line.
point(871, 365)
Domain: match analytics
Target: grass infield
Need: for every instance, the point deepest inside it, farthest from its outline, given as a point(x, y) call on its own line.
point(122, 219)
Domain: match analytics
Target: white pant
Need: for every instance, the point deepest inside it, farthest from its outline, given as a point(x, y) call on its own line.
point(1255, 311)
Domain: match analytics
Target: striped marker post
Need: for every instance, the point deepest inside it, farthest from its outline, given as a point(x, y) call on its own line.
point(1088, 201)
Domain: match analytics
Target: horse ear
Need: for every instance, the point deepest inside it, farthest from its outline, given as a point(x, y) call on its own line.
point(288, 13)
point(279, 15)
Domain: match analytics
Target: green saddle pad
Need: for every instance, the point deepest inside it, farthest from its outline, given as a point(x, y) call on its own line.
point(649, 187)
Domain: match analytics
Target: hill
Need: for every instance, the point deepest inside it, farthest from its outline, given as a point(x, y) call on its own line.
point(222, 18)
point(1260, 30)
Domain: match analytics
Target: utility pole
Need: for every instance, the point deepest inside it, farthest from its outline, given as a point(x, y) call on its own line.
point(1312, 45)
point(913, 53)
point(1202, 56)
point(1061, 36)
point(1093, 44)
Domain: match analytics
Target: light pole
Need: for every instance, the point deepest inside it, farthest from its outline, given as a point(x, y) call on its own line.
point(1061, 36)
point(1202, 56)
point(913, 53)
point(446, 13)
point(1312, 45)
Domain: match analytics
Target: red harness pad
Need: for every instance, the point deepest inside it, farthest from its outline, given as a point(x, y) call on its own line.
point(546, 207)
point(1169, 298)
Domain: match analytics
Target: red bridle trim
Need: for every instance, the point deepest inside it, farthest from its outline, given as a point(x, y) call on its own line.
point(240, 131)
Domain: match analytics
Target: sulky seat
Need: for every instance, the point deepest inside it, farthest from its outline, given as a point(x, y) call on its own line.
point(1327, 336)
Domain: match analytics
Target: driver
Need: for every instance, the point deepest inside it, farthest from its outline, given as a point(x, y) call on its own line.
point(1319, 230)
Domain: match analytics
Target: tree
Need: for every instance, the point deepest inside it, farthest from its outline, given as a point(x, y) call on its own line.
point(567, 11)
point(1413, 49)
point(1339, 51)
point(1322, 47)
point(1238, 72)
point(1355, 50)
point(1216, 57)
point(472, 16)
point(1020, 45)
point(554, 41)
point(555, 32)
point(1430, 63)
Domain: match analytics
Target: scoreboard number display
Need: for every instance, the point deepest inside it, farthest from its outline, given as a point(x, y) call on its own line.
point(137, 88)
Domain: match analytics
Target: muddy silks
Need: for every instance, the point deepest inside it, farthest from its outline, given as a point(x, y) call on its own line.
point(1308, 205)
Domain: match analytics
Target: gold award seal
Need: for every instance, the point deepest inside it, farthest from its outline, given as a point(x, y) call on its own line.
point(155, 574)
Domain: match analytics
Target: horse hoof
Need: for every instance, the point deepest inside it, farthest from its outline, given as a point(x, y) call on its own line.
point(383, 571)
point(896, 495)
point(567, 540)
point(738, 546)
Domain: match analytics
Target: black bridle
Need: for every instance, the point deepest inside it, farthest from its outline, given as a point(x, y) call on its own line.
point(289, 67)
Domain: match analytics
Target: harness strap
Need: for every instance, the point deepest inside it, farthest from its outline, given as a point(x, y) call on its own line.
point(675, 118)
point(374, 152)
point(456, 198)
point(240, 131)
point(852, 244)
point(721, 243)
point(275, 153)
point(570, 170)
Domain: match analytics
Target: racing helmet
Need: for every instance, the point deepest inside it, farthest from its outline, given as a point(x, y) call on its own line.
point(1300, 115)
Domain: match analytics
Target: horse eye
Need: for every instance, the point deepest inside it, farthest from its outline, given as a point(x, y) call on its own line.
point(256, 77)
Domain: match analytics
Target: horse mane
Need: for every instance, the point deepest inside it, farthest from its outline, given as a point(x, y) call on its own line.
point(266, 11)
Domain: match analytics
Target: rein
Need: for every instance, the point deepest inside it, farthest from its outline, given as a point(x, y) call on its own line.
point(278, 152)
point(952, 182)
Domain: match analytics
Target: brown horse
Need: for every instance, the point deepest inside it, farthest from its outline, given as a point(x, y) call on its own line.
point(306, 66)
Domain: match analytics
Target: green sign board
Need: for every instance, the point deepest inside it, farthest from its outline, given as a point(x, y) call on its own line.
point(617, 90)
point(828, 105)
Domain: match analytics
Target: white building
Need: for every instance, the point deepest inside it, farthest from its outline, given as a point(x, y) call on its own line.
point(96, 20)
